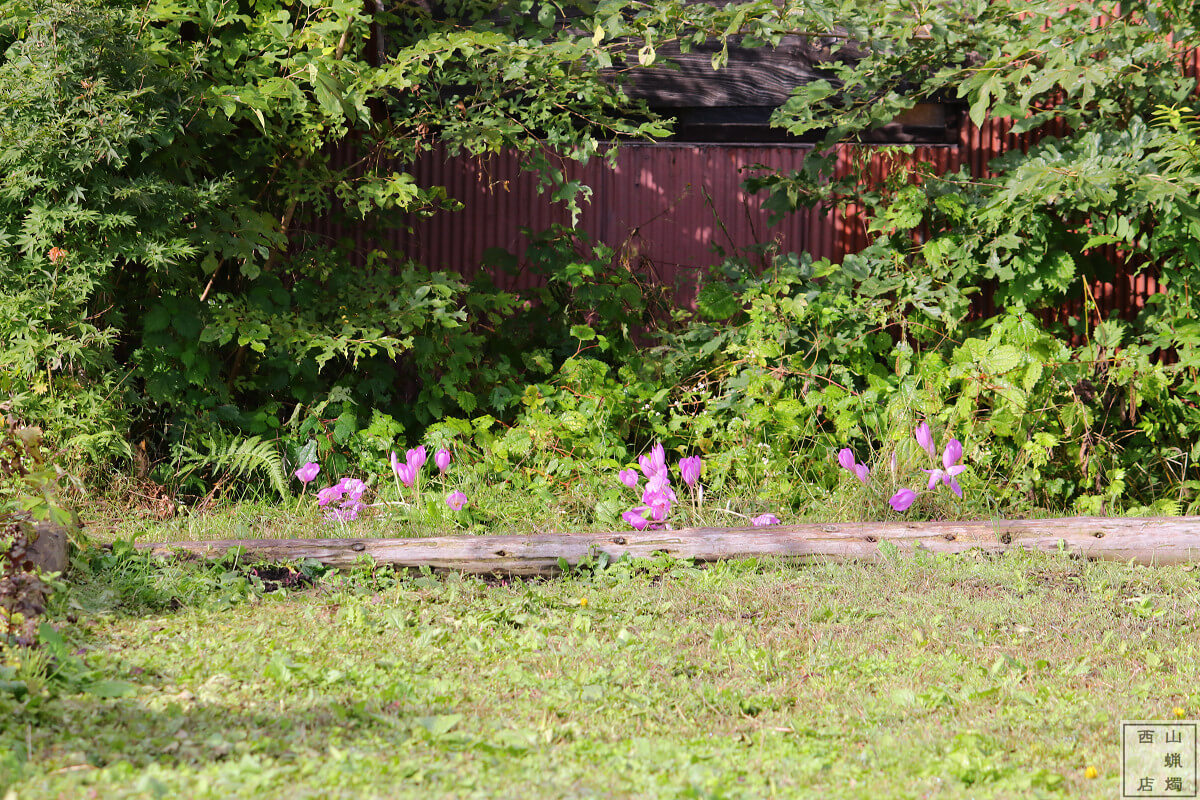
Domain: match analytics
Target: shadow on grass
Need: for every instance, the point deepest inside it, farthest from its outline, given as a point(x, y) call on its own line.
point(185, 732)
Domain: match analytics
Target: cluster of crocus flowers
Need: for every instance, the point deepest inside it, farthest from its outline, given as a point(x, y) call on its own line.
point(344, 498)
point(946, 474)
point(408, 472)
point(657, 495)
point(347, 493)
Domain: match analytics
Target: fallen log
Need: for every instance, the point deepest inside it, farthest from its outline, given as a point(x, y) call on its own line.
point(1170, 540)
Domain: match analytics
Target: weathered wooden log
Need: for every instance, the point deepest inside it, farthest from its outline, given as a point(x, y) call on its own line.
point(1146, 541)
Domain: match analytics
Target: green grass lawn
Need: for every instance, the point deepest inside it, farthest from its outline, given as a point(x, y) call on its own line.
point(925, 677)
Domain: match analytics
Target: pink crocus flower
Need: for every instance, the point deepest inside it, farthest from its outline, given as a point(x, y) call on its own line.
point(660, 484)
point(950, 468)
point(456, 500)
point(628, 477)
point(655, 463)
point(845, 458)
point(330, 494)
point(442, 459)
point(925, 439)
point(689, 469)
point(660, 506)
point(405, 471)
point(952, 453)
point(635, 519)
point(415, 457)
point(902, 499)
point(658, 497)
point(763, 520)
point(352, 505)
point(308, 472)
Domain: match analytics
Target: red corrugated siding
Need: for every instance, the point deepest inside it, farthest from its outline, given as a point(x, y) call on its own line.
point(669, 208)
point(666, 210)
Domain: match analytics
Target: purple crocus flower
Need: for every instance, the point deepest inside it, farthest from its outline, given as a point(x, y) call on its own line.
point(330, 493)
point(406, 472)
point(951, 469)
point(456, 500)
point(659, 485)
point(845, 458)
point(952, 453)
point(925, 439)
point(442, 459)
point(308, 472)
point(689, 469)
point(354, 488)
point(902, 499)
point(655, 463)
point(763, 520)
point(347, 511)
point(635, 519)
point(660, 506)
point(658, 497)
point(628, 477)
point(415, 457)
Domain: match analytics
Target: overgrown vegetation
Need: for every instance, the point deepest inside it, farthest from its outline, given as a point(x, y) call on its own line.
point(29, 494)
point(163, 310)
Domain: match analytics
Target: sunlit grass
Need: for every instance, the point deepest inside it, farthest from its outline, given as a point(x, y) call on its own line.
point(921, 677)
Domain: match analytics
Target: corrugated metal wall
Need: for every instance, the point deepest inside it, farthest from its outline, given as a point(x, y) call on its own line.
point(670, 210)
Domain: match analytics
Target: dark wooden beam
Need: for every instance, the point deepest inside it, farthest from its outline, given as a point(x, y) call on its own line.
point(753, 76)
point(735, 103)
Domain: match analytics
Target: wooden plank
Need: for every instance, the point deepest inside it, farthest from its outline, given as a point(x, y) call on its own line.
point(1143, 540)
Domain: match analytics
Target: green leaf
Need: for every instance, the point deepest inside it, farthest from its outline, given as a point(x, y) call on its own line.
point(583, 333)
point(157, 318)
point(716, 301)
point(1002, 359)
point(982, 103)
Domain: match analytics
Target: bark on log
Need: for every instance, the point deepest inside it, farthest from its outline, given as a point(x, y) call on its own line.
point(1146, 541)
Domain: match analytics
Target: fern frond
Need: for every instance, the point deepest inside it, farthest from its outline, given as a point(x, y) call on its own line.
point(239, 457)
